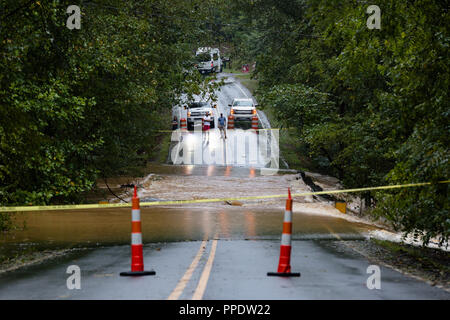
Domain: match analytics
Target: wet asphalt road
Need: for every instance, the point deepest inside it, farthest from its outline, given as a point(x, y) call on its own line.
point(238, 271)
point(242, 147)
point(203, 254)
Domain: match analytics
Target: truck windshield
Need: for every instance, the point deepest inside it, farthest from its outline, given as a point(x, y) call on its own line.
point(198, 105)
point(203, 57)
point(243, 104)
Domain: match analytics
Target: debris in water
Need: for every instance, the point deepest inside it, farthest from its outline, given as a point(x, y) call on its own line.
point(234, 203)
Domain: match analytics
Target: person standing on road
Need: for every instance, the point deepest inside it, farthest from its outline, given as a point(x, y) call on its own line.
point(207, 123)
point(222, 122)
point(175, 123)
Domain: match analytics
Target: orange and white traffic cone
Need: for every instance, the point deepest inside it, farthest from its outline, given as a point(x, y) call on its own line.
point(137, 256)
point(183, 125)
point(284, 266)
point(230, 122)
point(255, 123)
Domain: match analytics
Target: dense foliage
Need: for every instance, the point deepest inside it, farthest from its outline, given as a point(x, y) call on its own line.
point(369, 106)
point(76, 105)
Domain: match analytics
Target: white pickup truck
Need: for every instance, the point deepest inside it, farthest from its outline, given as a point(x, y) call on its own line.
point(196, 111)
point(208, 60)
point(243, 109)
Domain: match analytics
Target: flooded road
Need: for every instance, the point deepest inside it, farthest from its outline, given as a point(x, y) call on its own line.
point(202, 251)
point(111, 227)
point(220, 250)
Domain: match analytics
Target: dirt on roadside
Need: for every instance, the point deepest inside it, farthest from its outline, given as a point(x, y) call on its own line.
point(422, 263)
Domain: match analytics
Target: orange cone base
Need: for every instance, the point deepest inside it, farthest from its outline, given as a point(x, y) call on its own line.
point(137, 263)
point(283, 274)
point(137, 273)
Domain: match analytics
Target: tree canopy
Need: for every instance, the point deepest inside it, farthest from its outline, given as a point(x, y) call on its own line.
point(369, 106)
point(76, 105)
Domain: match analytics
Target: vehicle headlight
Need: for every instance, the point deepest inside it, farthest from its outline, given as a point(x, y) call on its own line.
point(189, 114)
point(232, 111)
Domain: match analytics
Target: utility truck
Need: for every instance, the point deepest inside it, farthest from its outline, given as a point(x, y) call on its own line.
point(208, 60)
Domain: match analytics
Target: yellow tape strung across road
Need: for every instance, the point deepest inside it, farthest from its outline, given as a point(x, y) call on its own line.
point(260, 129)
point(155, 203)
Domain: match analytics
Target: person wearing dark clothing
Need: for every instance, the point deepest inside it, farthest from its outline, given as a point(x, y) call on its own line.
point(175, 123)
point(222, 124)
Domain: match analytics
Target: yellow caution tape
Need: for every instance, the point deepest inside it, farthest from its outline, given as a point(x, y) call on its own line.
point(64, 207)
point(155, 203)
point(260, 129)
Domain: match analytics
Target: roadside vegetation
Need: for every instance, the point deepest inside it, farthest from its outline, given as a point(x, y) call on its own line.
point(79, 105)
point(370, 107)
point(6, 221)
point(248, 81)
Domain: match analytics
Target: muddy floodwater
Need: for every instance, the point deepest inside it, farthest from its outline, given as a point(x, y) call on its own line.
point(112, 226)
point(104, 227)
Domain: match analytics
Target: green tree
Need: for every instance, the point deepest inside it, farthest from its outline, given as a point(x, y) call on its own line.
point(76, 105)
point(389, 89)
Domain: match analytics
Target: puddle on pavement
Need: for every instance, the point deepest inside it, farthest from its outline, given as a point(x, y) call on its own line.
point(103, 227)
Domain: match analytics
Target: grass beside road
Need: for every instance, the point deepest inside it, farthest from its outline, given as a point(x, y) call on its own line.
point(290, 145)
point(245, 79)
point(250, 84)
point(228, 70)
point(162, 151)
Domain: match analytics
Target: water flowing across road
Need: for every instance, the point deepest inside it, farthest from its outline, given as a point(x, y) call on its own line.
point(209, 250)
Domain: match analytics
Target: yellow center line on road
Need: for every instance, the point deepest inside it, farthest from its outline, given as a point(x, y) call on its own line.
point(343, 241)
point(332, 232)
point(176, 293)
point(201, 287)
